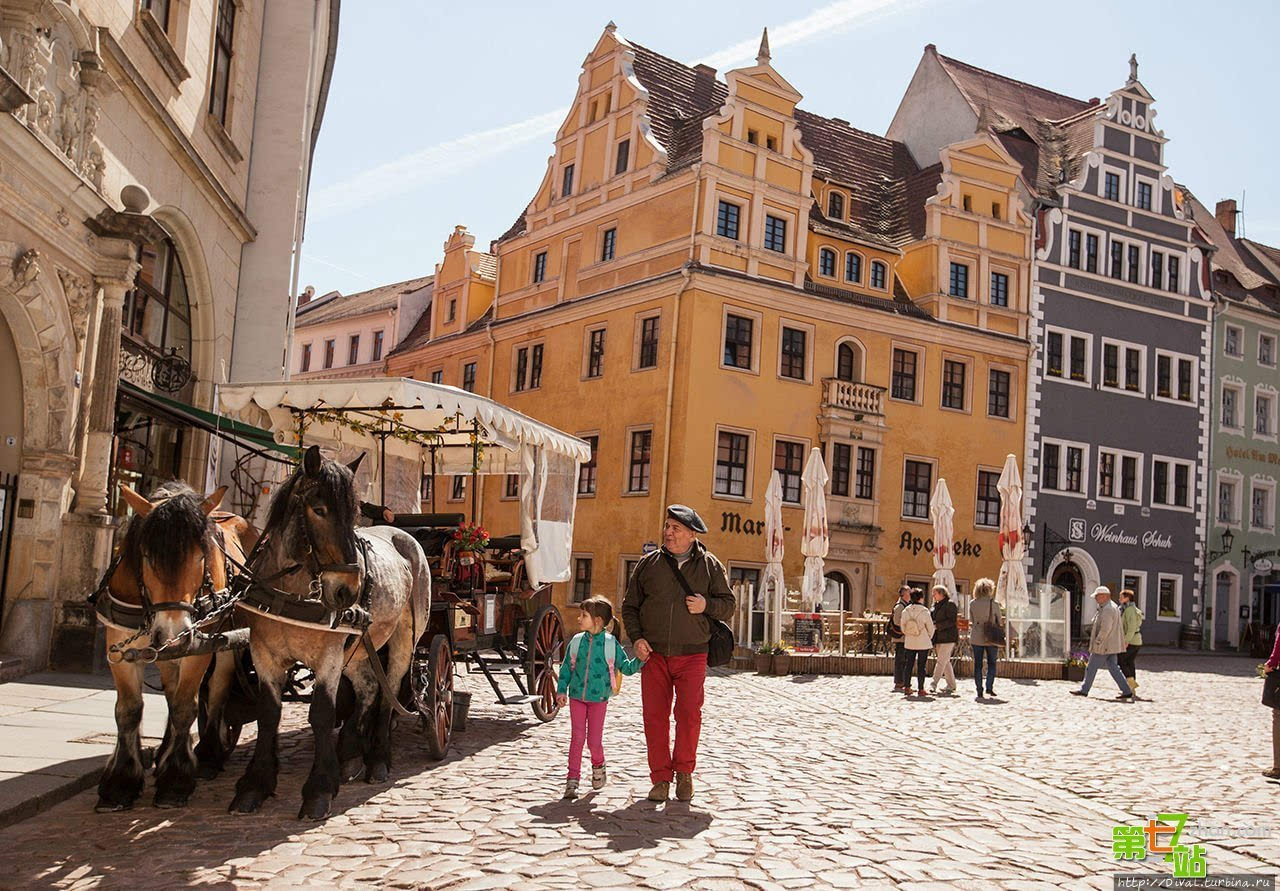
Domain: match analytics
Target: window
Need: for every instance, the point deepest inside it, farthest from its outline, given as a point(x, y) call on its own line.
point(566, 182)
point(753, 137)
point(852, 267)
point(1090, 253)
point(353, 349)
point(1173, 274)
point(1062, 467)
point(1266, 349)
point(847, 364)
point(1186, 371)
point(1260, 512)
point(1233, 341)
point(731, 464)
point(535, 367)
point(953, 373)
point(638, 463)
point(1164, 375)
point(999, 289)
point(305, 364)
point(1170, 482)
point(738, 341)
point(1111, 187)
point(608, 244)
point(428, 489)
point(1110, 365)
point(771, 143)
point(1076, 347)
point(775, 234)
point(223, 40)
point(1135, 263)
point(1133, 371)
point(966, 201)
point(453, 310)
point(437, 376)
point(866, 473)
point(998, 393)
point(1226, 501)
point(1073, 248)
point(1122, 366)
point(469, 377)
point(1135, 581)
point(827, 262)
point(917, 481)
point(1170, 593)
point(878, 270)
point(581, 578)
point(1263, 409)
point(788, 458)
point(727, 220)
point(377, 346)
point(540, 267)
point(1117, 259)
point(1051, 465)
point(160, 10)
point(511, 486)
point(835, 206)
point(959, 280)
point(624, 157)
point(1074, 481)
point(1144, 196)
point(458, 488)
point(595, 353)
point(1118, 475)
point(1231, 407)
point(587, 473)
point(1079, 351)
point(648, 349)
point(1157, 269)
point(793, 353)
point(995, 209)
point(903, 383)
point(328, 353)
point(988, 513)
point(522, 368)
point(841, 468)
point(1053, 354)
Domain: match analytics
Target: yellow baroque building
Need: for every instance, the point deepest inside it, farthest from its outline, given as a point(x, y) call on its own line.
point(708, 283)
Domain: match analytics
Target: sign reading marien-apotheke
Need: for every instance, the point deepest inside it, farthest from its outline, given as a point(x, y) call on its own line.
point(1113, 533)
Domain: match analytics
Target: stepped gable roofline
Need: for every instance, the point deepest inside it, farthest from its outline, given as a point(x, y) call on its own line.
point(342, 306)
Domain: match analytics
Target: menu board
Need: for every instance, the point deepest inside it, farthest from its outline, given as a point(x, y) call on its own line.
point(808, 632)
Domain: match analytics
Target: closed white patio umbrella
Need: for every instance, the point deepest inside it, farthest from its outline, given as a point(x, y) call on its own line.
point(772, 585)
point(1011, 587)
point(942, 512)
point(815, 541)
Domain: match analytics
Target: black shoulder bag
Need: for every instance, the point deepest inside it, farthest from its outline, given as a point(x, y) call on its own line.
point(992, 627)
point(720, 647)
point(1271, 690)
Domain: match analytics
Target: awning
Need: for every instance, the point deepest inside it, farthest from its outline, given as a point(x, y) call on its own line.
point(244, 435)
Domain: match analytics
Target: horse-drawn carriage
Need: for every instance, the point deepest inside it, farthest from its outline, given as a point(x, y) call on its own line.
point(388, 611)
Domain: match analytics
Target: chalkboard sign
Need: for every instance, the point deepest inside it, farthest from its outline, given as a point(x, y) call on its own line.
point(808, 632)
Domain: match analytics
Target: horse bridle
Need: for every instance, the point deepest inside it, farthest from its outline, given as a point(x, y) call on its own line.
point(311, 562)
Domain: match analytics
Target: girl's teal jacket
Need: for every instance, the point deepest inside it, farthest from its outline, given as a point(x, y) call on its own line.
point(589, 679)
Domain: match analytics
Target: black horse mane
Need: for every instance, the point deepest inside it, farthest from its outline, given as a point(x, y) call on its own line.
point(335, 485)
point(166, 535)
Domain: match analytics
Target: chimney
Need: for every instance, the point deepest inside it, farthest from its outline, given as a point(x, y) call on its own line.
point(704, 84)
point(1226, 215)
point(308, 294)
point(705, 71)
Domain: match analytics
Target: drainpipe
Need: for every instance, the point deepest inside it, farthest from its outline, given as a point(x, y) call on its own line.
point(1206, 503)
point(687, 275)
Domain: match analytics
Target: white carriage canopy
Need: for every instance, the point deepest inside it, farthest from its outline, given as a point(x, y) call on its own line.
point(436, 430)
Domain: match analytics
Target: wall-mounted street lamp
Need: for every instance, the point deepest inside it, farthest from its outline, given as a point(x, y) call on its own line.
point(1228, 539)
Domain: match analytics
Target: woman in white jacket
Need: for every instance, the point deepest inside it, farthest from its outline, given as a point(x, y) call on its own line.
point(917, 625)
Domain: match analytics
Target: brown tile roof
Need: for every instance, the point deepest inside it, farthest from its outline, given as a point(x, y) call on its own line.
point(346, 306)
point(420, 334)
point(919, 188)
point(487, 266)
point(1239, 257)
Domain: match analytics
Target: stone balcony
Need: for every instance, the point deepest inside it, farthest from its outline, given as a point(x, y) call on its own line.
point(853, 396)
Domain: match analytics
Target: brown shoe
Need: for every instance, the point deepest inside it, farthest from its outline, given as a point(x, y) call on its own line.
point(660, 792)
point(684, 786)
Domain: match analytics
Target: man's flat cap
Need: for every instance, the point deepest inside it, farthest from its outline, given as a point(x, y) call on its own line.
point(686, 516)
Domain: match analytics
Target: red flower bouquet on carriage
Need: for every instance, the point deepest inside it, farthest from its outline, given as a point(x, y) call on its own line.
point(470, 540)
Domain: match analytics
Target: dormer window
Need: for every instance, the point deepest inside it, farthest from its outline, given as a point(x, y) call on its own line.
point(827, 262)
point(835, 206)
point(753, 137)
point(878, 274)
point(566, 187)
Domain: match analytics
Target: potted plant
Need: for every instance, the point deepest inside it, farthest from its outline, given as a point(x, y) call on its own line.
point(764, 659)
point(781, 660)
point(1076, 665)
point(470, 540)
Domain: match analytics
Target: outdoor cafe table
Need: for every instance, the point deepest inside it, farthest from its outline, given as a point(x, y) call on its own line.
point(875, 632)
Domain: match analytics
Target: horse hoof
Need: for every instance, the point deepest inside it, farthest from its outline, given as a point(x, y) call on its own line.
point(353, 769)
point(107, 807)
point(247, 802)
point(377, 773)
point(207, 771)
point(148, 757)
point(166, 802)
point(314, 809)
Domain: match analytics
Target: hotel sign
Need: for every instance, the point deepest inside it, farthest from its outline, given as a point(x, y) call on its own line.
point(1254, 455)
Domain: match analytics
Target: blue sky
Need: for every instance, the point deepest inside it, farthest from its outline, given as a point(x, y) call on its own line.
point(441, 114)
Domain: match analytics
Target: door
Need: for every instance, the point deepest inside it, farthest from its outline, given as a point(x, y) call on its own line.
point(1221, 615)
point(1068, 576)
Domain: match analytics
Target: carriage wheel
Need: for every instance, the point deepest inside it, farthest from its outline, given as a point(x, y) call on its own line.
point(544, 645)
point(433, 694)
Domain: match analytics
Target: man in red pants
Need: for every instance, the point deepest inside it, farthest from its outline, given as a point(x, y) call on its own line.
point(669, 596)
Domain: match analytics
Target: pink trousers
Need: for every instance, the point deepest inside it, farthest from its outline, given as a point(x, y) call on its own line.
point(586, 722)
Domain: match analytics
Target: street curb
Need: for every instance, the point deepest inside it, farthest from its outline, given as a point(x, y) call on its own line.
point(32, 806)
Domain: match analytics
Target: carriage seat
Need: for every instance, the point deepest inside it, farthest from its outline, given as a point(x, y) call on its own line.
point(505, 543)
point(405, 521)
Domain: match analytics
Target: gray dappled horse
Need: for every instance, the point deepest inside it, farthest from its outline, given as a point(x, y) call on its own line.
point(313, 548)
point(172, 554)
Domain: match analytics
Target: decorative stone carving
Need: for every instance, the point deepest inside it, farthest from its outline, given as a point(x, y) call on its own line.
point(77, 292)
point(26, 270)
point(69, 134)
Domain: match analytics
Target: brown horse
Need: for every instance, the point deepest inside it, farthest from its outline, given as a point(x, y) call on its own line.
point(174, 552)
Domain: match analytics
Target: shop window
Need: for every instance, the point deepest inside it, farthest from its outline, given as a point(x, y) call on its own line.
point(1170, 596)
point(157, 310)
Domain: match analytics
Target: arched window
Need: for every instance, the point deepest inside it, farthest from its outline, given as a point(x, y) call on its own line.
point(835, 206)
point(852, 267)
point(849, 361)
point(827, 262)
point(157, 312)
point(878, 276)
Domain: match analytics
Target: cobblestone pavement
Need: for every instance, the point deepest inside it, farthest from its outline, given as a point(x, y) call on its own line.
point(804, 782)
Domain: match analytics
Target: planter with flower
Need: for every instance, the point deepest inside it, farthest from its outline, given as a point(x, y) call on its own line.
point(764, 659)
point(1075, 666)
point(781, 659)
point(469, 541)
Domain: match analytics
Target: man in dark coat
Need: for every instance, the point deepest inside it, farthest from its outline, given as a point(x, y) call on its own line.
point(897, 638)
point(668, 625)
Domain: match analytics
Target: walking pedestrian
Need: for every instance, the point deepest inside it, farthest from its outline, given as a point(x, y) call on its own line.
point(1273, 664)
point(901, 682)
point(1106, 643)
point(983, 611)
point(1131, 620)
point(946, 634)
point(917, 629)
point(668, 594)
point(591, 673)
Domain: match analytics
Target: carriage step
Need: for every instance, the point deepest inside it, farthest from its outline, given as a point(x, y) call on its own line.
point(518, 700)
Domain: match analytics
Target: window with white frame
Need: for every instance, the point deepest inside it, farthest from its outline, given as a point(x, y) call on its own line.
point(1135, 264)
point(1264, 413)
point(1123, 365)
point(733, 449)
point(1115, 259)
point(1111, 185)
point(853, 267)
point(1073, 248)
point(1142, 195)
point(987, 512)
point(1232, 405)
point(739, 341)
point(917, 483)
point(1119, 475)
point(1175, 273)
point(1228, 511)
point(1062, 466)
point(788, 460)
point(793, 353)
point(1233, 341)
point(1267, 349)
point(1091, 242)
point(1157, 270)
point(1175, 377)
point(827, 262)
point(775, 234)
point(1171, 481)
point(1169, 596)
point(527, 368)
point(1262, 505)
point(999, 295)
point(1067, 354)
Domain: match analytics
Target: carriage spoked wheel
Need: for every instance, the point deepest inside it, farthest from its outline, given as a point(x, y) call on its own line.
point(544, 645)
point(432, 679)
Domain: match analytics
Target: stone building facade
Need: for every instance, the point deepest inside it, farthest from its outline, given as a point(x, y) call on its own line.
point(349, 335)
point(153, 160)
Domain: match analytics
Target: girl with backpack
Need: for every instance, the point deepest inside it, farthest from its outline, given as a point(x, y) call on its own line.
point(917, 625)
point(591, 672)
